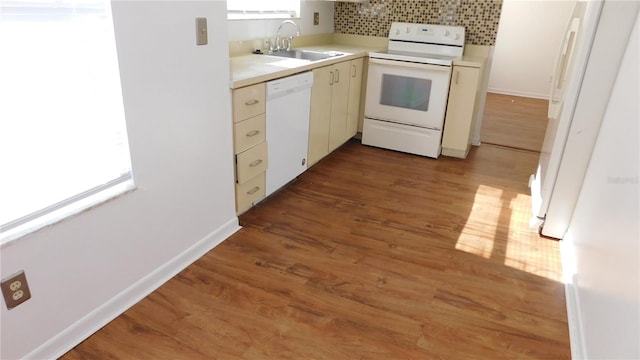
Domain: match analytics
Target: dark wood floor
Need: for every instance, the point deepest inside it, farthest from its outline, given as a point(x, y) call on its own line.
point(370, 254)
point(514, 121)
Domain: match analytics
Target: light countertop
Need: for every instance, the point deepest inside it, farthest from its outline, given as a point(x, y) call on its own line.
point(252, 69)
point(470, 61)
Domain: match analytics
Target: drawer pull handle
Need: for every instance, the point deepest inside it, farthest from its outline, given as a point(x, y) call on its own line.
point(251, 102)
point(253, 191)
point(255, 163)
point(337, 76)
point(253, 133)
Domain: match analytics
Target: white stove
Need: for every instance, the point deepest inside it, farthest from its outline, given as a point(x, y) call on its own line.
point(424, 43)
point(408, 87)
point(409, 56)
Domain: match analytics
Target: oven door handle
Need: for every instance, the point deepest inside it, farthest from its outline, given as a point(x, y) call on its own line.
point(405, 64)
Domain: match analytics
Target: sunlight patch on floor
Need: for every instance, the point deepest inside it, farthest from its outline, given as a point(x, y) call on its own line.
point(478, 233)
point(498, 228)
point(526, 250)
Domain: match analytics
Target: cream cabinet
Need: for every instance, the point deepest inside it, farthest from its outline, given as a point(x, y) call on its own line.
point(249, 144)
point(355, 94)
point(335, 105)
point(461, 112)
point(249, 133)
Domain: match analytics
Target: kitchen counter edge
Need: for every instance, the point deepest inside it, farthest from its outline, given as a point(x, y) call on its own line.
point(253, 69)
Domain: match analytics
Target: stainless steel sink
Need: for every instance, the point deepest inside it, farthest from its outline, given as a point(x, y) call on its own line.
point(305, 54)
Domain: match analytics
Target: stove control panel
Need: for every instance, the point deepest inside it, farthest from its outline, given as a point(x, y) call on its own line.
point(427, 33)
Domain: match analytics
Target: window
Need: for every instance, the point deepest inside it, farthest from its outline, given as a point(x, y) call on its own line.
point(260, 9)
point(63, 141)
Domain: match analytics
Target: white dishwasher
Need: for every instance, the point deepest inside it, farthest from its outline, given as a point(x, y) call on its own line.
point(288, 104)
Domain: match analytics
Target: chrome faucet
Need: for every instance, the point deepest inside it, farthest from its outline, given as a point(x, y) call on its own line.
point(278, 45)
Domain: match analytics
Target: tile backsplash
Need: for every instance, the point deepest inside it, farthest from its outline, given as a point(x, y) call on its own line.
point(479, 17)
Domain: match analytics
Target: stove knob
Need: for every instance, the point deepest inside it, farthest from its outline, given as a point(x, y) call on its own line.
point(397, 31)
point(446, 33)
point(456, 37)
point(408, 30)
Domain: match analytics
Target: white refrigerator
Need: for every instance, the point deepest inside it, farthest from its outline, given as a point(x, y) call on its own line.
point(586, 68)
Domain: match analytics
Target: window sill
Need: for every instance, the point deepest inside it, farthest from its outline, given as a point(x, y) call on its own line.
point(234, 17)
point(12, 235)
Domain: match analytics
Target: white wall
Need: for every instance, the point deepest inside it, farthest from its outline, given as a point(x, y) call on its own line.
point(529, 36)
point(262, 29)
point(601, 251)
point(87, 269)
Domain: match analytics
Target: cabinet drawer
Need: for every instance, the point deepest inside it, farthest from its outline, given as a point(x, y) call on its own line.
point(248, 102)
point(251, 162)
point(249, 192)
point(248, 133)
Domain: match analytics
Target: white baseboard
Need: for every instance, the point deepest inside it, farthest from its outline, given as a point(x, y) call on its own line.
point(518, 93)
point(574, 318)
point(95, 320)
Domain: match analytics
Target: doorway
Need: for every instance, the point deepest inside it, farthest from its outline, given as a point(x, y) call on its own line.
point(516, 107)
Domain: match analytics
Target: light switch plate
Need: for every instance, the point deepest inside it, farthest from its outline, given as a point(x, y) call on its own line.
point(201, 31)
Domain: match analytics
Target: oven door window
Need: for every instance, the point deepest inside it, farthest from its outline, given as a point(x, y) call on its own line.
point(405, 92)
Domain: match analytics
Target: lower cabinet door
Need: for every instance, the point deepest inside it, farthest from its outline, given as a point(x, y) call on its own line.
point(251, 162)
point(248, 133)
point(249, 192)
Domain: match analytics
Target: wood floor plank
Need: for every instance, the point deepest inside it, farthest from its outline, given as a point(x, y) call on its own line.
point(514, 121)
point(370, 254)
point(128, 338)
point(454, 336)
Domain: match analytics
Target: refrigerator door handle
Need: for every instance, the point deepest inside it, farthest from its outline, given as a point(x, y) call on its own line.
point(556, 96)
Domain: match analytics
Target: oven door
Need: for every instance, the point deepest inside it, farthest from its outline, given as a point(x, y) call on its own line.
point(407, 93)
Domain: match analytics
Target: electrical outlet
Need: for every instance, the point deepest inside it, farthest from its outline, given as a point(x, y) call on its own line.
point(15, 289)
point(316, 18)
